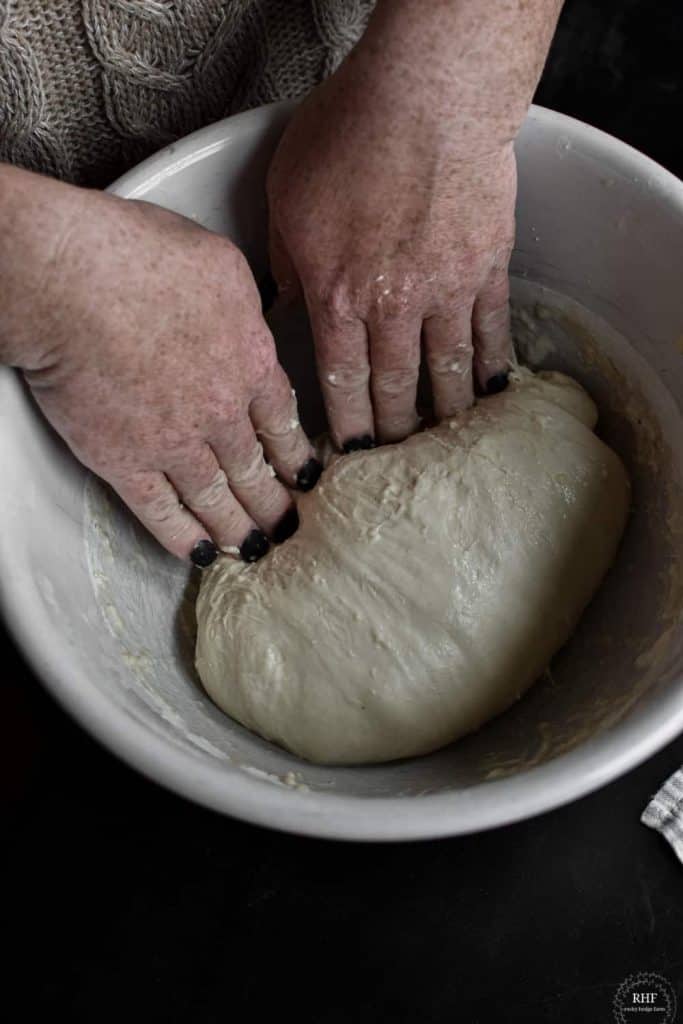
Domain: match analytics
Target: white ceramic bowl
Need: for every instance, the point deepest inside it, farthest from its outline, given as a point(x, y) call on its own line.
point(100, 613)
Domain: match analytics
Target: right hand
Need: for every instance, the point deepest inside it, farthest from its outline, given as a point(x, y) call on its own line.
point(151, 358)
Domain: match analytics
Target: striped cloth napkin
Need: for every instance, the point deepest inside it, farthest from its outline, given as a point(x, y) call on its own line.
point(665, 812)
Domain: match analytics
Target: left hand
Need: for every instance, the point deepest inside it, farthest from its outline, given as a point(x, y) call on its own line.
point(396, 229)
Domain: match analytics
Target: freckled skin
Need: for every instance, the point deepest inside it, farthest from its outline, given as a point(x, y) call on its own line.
point(392, 205)
point(142, 339)
point(391, 201)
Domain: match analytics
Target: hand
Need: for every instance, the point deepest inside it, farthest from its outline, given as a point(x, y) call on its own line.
point(154, 363)
point(395, 233)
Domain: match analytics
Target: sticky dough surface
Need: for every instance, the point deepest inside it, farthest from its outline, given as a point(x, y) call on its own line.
point(429, 583)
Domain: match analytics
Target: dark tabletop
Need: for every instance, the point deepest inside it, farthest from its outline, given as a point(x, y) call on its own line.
point(122, 902)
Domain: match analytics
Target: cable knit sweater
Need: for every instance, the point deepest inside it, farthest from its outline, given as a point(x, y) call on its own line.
point(90, 87)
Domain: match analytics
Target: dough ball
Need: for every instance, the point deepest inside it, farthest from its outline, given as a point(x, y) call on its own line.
point(429, 583)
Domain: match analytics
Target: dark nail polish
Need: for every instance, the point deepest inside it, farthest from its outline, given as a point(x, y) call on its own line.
point(359, 444)
point(287, 525)
point(497, 383)
point(255, 546)
point(204, 553)
point(267, 290)
point(309, 474)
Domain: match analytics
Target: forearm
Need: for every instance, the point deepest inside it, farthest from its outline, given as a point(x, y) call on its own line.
point(36, 215)
point(468, 64)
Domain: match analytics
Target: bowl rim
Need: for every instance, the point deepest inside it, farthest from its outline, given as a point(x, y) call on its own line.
point(230, 790)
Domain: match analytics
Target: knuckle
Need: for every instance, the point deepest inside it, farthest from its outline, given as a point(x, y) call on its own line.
point(282, 422)
point(251, 469)
point(395, 381)
point(209, 495)
point(451, 364)
point(390, 304)
point(160, 509)
point(494, 321)
point(347, 378)
point(335, 300)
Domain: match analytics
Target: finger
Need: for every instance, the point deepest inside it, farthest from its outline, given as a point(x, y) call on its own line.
point(341, 347)
point(448, 351)
point(203, 487)
point(395, 367)
point(155, 502)
point(493, 352)
point(282, 267)
point(274, 414)
point(252, 481)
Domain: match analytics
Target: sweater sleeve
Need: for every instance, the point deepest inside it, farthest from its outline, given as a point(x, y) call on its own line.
point(90, 87)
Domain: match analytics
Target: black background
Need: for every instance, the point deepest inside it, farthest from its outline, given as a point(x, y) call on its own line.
point(123, 902)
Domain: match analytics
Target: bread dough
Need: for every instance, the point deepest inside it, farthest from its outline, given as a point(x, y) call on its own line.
point(429, 583)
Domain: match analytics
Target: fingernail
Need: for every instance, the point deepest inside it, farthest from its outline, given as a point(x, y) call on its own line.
point(204, 553)
point(287, 525)
point(309, 474)
point(255, 546)
point(267, 290)
point(497, 383)
point(358, 444)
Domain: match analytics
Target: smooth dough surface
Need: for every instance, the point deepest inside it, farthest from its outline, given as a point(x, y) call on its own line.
point(429, 583)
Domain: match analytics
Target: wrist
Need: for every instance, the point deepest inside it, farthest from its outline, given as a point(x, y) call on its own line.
point(36, 217)
point(461, 69)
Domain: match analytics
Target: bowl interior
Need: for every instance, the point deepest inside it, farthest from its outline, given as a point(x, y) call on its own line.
point(109, 617)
